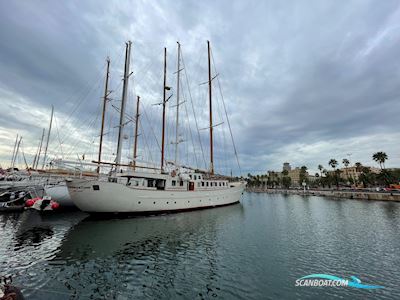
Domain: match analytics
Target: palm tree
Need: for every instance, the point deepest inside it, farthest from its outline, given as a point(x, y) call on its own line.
point(320, 168)
point(303, 175)
point(380, 158)
point(346, 163)
point(333, 163)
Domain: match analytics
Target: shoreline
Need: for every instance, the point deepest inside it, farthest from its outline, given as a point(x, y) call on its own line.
point(359, 195)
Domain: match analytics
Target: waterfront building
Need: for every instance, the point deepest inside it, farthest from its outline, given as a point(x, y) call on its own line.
point(355, 173)
point(295, 175)
point(286, 167)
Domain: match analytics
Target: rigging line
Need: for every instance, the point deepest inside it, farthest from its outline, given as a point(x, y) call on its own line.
point(87, 122)
point(89, 90)
point(23, 155)
point(146, 143)
point(80, 123)
point(93, 136)
point(226, 115)
point(191, 101)
point(72, 135)
point(190, 132)
point(151, 127)
point(90, 125)
point(58, 135)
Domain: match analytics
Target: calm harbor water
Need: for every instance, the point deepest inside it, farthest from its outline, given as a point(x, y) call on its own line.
point(253, 250)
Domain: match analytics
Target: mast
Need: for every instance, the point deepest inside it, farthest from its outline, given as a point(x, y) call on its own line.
point(123, 104)
point(48, 137)
point(163, 103)
point(15, 147)
point(16, 152)
point(104, 111)
point(40, 150)
point(36, 155)
point(211, 119)
point(136, 133)
point(177, 104)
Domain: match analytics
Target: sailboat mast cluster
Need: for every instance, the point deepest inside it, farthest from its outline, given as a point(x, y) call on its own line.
point(169, 189)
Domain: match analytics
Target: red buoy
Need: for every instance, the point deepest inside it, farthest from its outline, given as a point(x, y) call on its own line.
point(55, 205)
point(29, 202)
point(32, 201)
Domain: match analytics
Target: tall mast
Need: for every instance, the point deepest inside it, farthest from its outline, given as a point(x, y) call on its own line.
point(40, 150)
point(164, 102)
point(104, 112)
point(15, 147)
point(16, 152)
point(136, 133)
point(36, 156)
point(177, 104)
point(211, 119)
point(123, 104)
point(48, 137)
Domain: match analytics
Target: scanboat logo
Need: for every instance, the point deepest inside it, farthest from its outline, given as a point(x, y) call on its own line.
point(333, 281)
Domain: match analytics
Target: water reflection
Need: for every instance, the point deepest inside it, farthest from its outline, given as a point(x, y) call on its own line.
point(116, 256)
point(254, 250)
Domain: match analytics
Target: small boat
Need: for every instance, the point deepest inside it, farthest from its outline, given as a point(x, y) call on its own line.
point(13, 201)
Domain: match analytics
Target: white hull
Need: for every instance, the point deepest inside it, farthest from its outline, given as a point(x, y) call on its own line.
point(119, 198)
point(59, 193)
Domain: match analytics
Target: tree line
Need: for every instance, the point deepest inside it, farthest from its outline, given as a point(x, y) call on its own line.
point(334, 177)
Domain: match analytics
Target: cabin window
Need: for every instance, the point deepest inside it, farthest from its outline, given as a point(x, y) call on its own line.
point(173, 182)
point(181, 183)
point(190, 176)
point(207, 183)
point(150, 183)
point(200, 177)
point(220, 184)
point(202, 183)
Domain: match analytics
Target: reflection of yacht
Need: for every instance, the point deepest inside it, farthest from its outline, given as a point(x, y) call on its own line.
point(93, 238)
point(168, 188)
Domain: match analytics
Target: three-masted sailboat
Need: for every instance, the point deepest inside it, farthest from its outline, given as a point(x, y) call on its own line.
point(171, 188)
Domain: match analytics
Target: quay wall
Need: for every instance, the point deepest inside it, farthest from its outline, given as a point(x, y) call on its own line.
point(361, 195)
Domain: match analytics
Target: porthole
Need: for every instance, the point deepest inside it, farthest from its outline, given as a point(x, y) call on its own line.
point(167, 202)
point(175, 202)
point(139, 202)
point(154, 202)
point(188, 201)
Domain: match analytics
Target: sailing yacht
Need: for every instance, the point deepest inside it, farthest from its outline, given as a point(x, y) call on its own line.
point(168, 189)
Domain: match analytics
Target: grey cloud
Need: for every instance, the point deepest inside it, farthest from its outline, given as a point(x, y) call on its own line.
point(293, 73)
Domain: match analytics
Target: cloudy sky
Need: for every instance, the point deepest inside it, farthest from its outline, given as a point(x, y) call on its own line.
point(303, 81)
